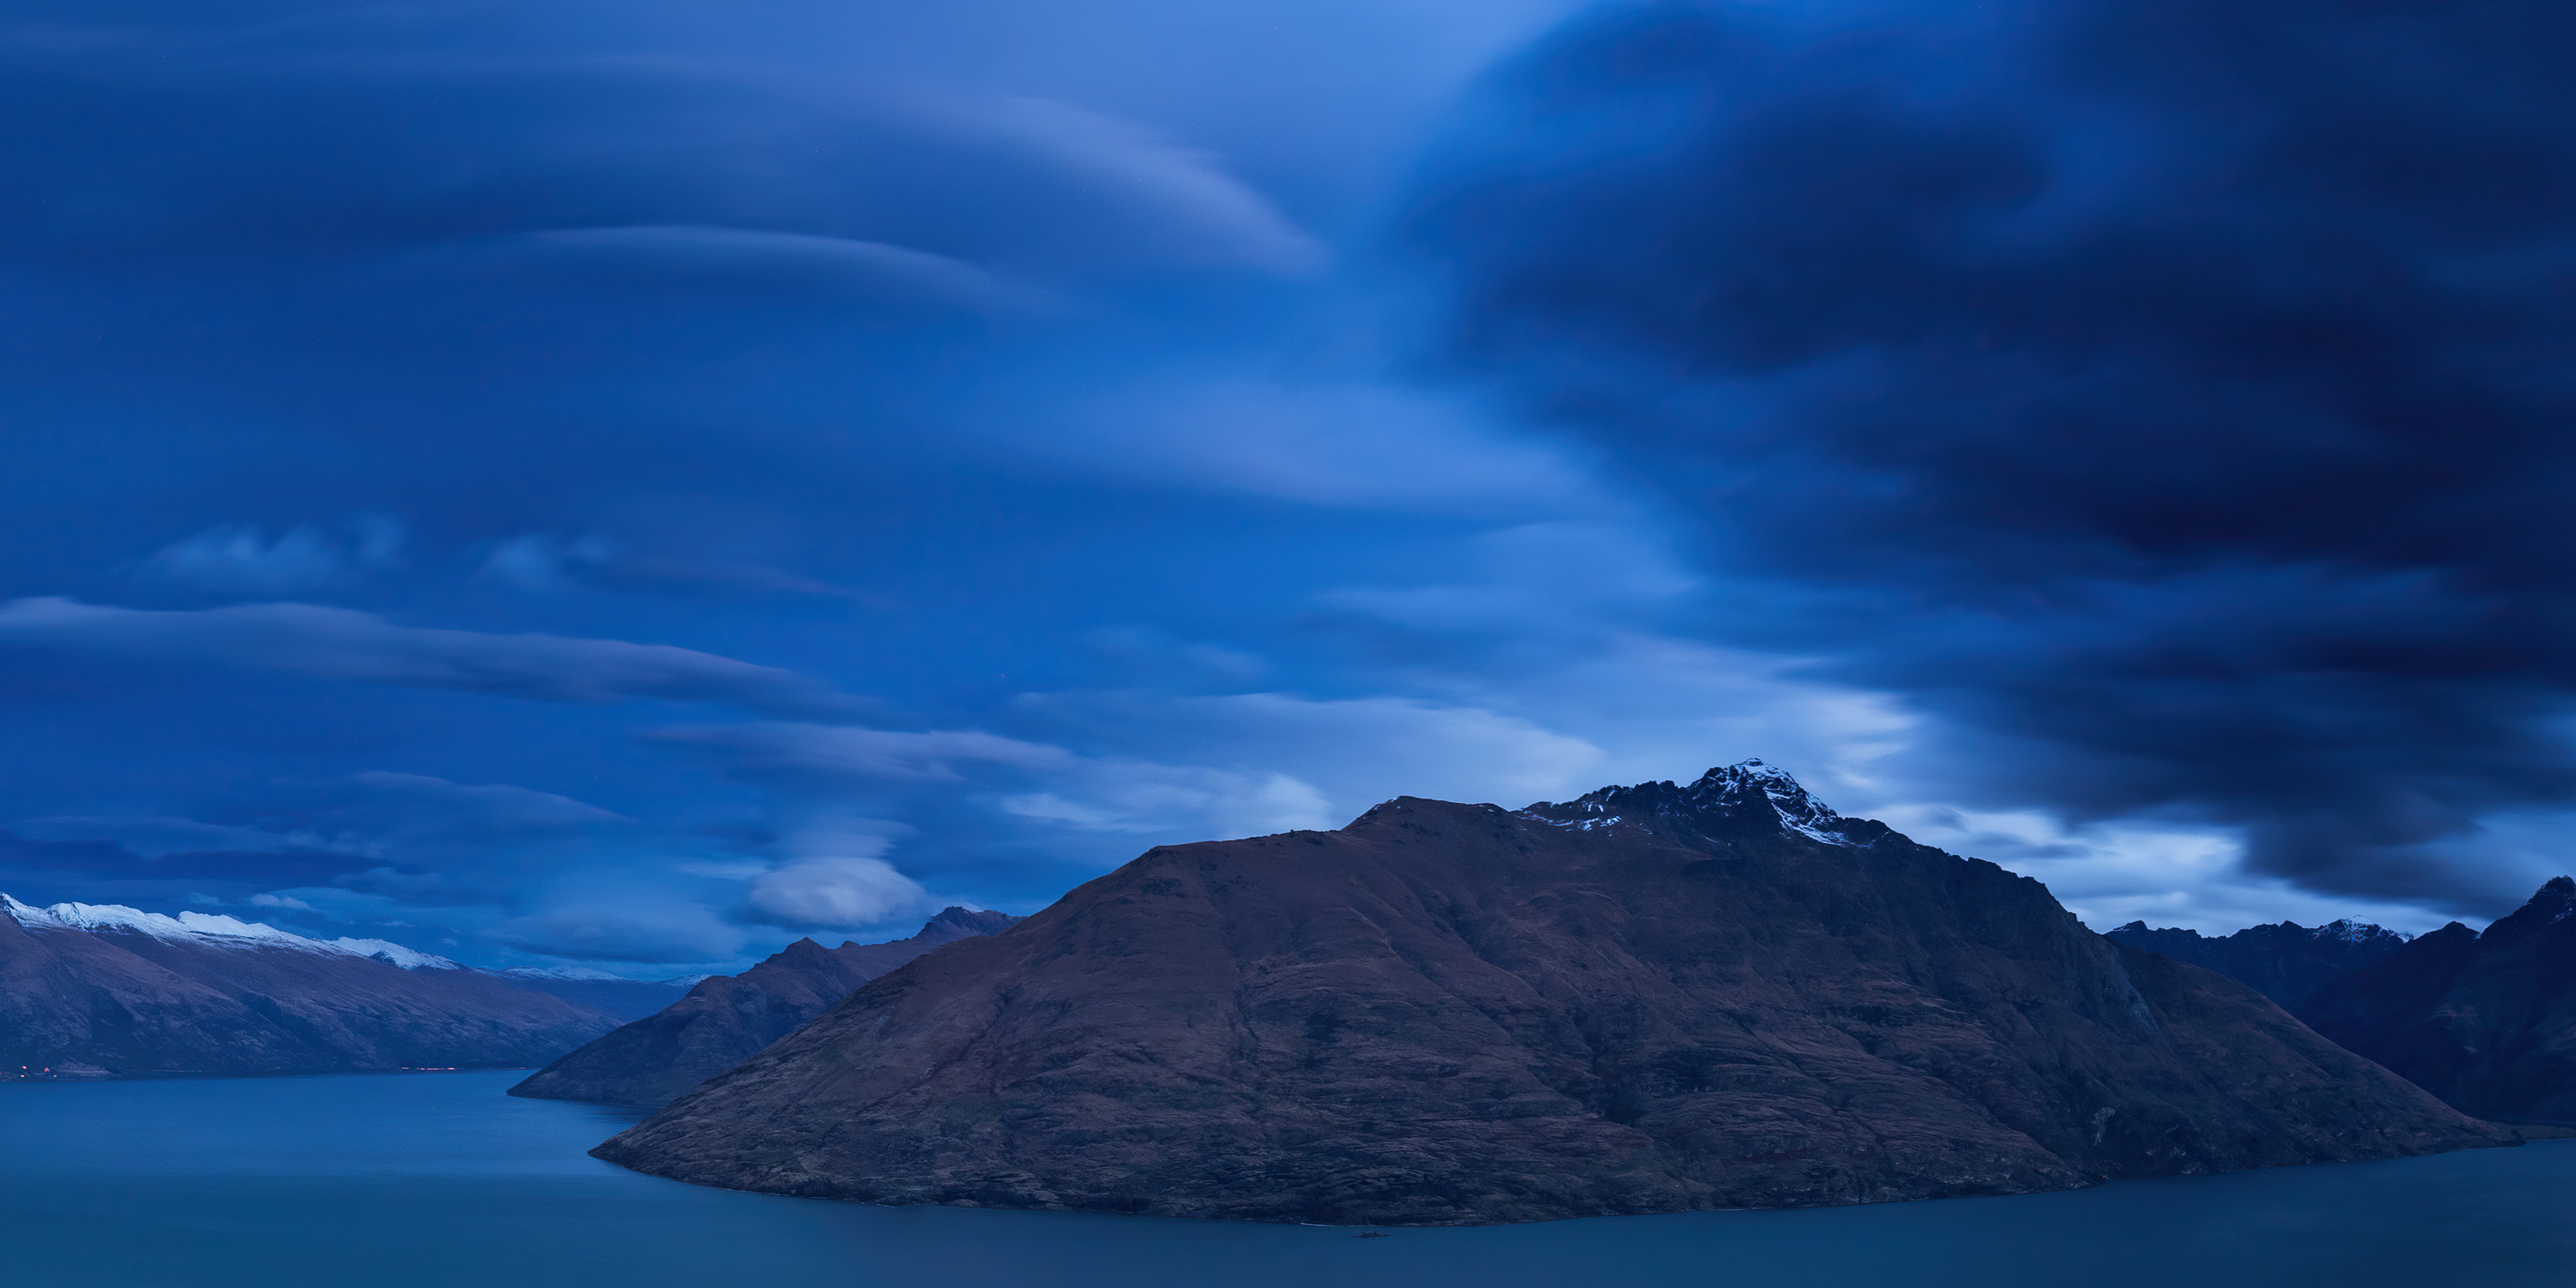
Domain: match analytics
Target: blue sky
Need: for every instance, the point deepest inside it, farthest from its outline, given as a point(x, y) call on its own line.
point(628, 484)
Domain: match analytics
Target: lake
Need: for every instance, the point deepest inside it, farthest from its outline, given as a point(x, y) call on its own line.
point(440, 1181)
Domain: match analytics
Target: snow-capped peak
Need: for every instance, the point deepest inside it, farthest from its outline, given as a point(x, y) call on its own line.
point(1725, 800)
point(1799, 812)
point(210, 929)
point(2357, 932)
point(27, 915)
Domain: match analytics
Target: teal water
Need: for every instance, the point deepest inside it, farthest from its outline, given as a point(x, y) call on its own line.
point(440, 1181)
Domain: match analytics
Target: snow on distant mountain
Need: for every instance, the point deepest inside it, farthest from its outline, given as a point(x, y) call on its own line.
point(557, 972)
point(104, 990)
point(407, 958)
point(2350, 931)
point(212, 929)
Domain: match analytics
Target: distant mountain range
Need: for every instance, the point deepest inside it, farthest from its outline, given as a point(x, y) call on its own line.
point(89, 990)
point(2487, 1021)
point(1656, 998)
point(727, 1019)
point(626, 999)
point(2285, 962)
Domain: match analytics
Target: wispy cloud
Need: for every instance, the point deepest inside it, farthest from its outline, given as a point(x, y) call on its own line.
point(237, 559)
point(342, 644)
point(812, 753)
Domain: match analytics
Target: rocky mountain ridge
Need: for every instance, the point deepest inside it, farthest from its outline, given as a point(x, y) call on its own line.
point(2484, 1019)
point(107, 991)
point(1746, 799)
point(1655, 998)
point(619, 997)
point(727, 1019)
point(2285, 961)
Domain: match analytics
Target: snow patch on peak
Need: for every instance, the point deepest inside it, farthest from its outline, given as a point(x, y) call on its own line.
point(1755, 767)
point(1728, 798)
point(1799, 812)
point(1604, 819)
point(2356, 932)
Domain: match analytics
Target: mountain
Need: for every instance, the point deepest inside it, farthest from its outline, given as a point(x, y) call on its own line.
point(2486, 1021)
point(623, 998)
point(727, 1019)
point(1653, 999)
point(90, 990)
point(2284, 962)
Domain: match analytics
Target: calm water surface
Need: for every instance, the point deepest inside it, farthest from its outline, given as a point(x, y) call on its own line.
point(440, 1181)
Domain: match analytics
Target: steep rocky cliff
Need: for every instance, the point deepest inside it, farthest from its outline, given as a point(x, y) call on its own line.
point(727, 1019)
point(1654, 999)
point(2486, 1021)
point(2285, 962)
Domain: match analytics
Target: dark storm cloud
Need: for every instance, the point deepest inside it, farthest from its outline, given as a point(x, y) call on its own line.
point(2177, 395)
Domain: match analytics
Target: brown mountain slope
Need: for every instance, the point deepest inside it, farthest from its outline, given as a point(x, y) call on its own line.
point(624, 1000)
point(121, 1003)
point(1655, 999)
point(2485, 1021)
point(79, 1004)
point(727, 1019)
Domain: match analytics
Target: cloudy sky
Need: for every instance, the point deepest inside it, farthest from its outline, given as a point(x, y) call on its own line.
point(626, 484)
